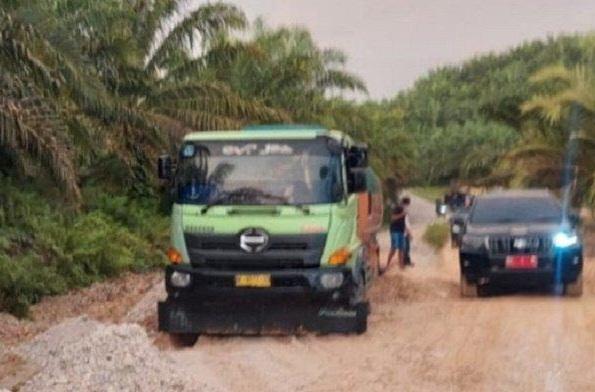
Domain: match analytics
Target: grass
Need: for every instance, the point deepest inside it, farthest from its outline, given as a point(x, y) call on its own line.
point(437, 234)
point(430, 193)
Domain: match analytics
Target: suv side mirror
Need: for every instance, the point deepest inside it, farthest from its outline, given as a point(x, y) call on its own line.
point(357, 157)
point(441, 207)
point(164, 167)
point(357, 181)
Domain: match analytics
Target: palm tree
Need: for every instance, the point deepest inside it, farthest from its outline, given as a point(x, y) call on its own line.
point(284, 68)
point(545, 144)
point(82, 79)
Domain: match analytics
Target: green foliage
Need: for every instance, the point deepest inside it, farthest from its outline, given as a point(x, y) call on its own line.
point(467, 151)
point(437, 234)
point(46, 250)
point(85, 79)
point(24, 281)
point(479, 106)
point(392, 148)
point(554, 131)
point(430, 193)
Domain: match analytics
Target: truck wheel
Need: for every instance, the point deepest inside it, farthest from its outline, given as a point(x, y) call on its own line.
point(359, 293)
point(183, 339)
point(575, 289)
point(468, 290)
point(362, 311)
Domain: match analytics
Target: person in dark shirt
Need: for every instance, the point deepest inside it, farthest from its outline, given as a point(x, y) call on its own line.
point(398, 233)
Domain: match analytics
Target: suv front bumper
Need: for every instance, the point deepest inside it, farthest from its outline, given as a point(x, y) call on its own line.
point(562, 266)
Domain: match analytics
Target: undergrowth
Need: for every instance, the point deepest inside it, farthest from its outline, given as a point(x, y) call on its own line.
point(48, 249)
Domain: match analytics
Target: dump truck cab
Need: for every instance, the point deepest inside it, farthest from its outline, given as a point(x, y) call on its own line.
point(268, 232)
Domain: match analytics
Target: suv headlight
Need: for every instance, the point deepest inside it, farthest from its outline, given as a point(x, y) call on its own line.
point(565, 239)
point(473, 241)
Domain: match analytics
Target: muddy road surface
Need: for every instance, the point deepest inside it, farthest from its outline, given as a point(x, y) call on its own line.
point(422, 337)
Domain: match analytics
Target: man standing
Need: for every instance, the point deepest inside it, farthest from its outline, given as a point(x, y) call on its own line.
point(398, 232)
point(406, 201)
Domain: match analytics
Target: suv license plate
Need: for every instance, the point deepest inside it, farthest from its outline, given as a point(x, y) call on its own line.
point(521, 262)
point(253, 280)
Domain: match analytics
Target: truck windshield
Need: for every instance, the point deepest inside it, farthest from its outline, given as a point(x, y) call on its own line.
point(259, 172)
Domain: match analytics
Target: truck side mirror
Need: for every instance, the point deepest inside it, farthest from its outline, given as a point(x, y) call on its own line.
point(357, 181)
point(164, 167)
point(357, 157)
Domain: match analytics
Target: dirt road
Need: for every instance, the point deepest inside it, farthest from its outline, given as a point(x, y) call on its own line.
point(421, 336)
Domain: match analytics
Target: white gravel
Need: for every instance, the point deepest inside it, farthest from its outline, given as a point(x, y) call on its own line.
point(85, 355)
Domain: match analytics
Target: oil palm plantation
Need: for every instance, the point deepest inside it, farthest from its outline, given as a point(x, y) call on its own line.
point(83, 80)
point(284, 68)
point(544, 146)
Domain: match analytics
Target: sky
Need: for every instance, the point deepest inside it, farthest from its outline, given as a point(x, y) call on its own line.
point(390, 43)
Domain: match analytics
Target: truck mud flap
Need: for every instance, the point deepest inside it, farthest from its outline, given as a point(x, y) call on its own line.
point(189, 317)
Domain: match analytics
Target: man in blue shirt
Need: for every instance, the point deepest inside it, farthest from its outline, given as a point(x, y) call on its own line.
point(398, 234)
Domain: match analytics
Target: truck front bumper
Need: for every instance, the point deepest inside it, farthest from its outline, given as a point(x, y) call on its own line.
point(295, 301)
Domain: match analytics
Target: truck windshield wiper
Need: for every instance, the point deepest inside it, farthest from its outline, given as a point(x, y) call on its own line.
point(225, 196)
point(219, 200)
point(285, 202)
point(253, 194)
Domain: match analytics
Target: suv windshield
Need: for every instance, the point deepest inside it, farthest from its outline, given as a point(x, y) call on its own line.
point(259, 172)
point(516, 210)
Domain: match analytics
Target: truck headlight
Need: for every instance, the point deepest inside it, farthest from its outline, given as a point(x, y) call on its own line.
point(179, 279)
point(565, 240)
point(331, 280)
point(473, 241)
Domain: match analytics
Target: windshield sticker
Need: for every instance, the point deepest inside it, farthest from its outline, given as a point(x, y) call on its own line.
point(255, 149)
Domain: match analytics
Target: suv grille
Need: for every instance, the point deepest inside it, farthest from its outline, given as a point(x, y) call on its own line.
point(509, 245)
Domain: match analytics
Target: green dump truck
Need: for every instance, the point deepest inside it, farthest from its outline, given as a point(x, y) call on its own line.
point(273, 230)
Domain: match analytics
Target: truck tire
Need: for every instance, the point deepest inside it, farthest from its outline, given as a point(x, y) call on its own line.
point(575, 289)
point(468, 290)
point(362, 309)
point(183, 339)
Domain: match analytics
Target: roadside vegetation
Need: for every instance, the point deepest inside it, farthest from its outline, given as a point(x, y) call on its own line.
point(430, 193)
point(436, 234)
point(93, 91)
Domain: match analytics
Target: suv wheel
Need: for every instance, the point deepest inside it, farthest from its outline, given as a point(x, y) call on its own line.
point(183, 339)
point(468, 290)
point(575, 289)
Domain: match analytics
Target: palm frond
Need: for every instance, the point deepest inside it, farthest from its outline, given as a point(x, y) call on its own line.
point(27, 126)
point(198, 27)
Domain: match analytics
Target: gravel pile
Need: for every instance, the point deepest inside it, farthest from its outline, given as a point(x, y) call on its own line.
point(85, 355)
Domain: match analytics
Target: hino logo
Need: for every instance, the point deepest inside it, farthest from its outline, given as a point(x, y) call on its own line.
point(253, 240)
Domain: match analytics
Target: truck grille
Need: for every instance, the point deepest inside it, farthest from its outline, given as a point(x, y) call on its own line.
point(509, 245)
point(282, 252)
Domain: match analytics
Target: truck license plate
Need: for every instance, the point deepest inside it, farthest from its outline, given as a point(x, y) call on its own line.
point(521, 262)
point(253, 280)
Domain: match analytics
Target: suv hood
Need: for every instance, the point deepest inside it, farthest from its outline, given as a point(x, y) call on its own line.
point(513, 229)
